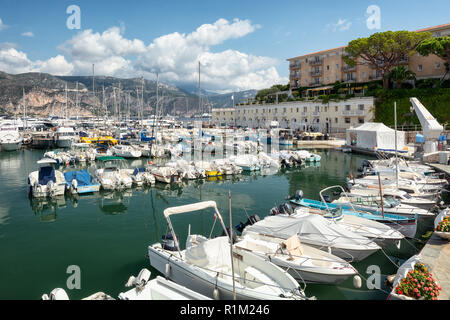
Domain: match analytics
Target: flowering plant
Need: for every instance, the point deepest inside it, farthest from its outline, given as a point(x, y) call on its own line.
point(444, 225)
point(418, 284)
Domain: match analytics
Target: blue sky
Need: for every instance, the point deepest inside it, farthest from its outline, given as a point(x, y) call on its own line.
point(277, 30)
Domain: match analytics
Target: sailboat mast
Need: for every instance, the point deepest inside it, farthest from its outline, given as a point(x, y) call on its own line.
point(199, 96)
point(396, 153)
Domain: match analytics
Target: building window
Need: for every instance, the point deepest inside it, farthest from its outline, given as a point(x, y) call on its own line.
point(328, 67)
point(347, 107)
point(364, 74)
point(297, 110)
point(419, 67)
point(360, 120)
point(361, 107)
point(438, 65)
point(336, 108)
point(337, 66)
point(347, 120)
point(305, 109)
point(336, 120)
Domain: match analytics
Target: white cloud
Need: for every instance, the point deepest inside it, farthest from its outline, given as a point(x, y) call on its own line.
point(341, 25)
point(108, 51)
point(175, 56)
point(56, 66)
point(15, 61)
point(28, 34)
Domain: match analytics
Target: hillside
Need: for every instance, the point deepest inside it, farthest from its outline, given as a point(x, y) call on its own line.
point(45, 95)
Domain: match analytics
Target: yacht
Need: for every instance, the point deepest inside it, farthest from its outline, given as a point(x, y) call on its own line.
point(64, 137)
point(10, 138)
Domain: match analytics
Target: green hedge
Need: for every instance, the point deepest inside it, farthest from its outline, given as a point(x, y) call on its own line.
point(437, 102)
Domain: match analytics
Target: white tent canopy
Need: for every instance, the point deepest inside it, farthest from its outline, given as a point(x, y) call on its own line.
point(372, 135)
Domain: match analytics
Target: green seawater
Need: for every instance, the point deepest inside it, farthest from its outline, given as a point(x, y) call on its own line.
point(107, 234)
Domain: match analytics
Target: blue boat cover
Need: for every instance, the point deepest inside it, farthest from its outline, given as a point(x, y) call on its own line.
point(46, 174)
point(83, 177)
point(137, 170)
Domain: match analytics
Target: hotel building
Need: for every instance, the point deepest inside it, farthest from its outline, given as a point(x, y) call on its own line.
point(331, 117)
point(328, 66)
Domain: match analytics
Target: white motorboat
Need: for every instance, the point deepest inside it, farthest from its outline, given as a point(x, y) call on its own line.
point(165, 174)
point(316, 231)
point(206, 265)
point(112, 176)
point(399, 195)
point(64, 137)
point(47, 181)
point(389, 205)
point(143, 289)
point(141, 176)
point(126, 151)
point(303, 262)
point(10, 138)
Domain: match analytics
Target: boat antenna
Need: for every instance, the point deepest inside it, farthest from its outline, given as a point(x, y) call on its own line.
point(396, 153)
point(381, 193)
point(231, 244)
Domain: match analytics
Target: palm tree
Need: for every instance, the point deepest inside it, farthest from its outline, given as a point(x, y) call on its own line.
point(400, 74)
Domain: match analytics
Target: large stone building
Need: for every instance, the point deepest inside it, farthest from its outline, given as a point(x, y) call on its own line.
point(334, 116)
point(327, 66)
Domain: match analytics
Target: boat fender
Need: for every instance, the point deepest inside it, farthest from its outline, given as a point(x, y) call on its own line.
point(75, 184)
point(357, 282)
point(167, 271)
point(216, 294)
point(58, 294)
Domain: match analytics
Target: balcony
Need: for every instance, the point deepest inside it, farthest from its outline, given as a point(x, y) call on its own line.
point(348, 80)
point(295, 65)
point(304, 114)
point(316, 62)
point(315, 83)
point(348, 68)
point(354, 113)
point(316, 113)
point(376, 77)
point(316, 73)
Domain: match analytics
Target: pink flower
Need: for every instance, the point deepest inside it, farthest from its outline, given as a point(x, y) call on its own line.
point(415, 290)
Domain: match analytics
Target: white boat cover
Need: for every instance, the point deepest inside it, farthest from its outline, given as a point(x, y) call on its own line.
point(208, 253)
point(311, 228)
point(191, 207)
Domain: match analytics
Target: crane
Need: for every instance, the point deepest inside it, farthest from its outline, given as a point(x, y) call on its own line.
point(430, 127)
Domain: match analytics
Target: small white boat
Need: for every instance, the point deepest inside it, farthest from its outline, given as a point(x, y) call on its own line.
point(10, 138)
point(165, 174)
point(303, 262)
point(126, 151)
point(206, 265)
point(112, 176)
point(316, 231)
point(47, 181)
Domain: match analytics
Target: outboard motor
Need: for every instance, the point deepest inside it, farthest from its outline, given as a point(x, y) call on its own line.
point(297, 196)
point(286, 208)
point(250, 221)
point(274, 211)
point(168, 243)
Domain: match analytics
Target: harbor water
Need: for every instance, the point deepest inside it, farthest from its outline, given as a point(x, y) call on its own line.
point(107, 234)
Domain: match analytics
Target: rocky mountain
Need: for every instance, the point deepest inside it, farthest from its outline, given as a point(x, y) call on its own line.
point(46, 95)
